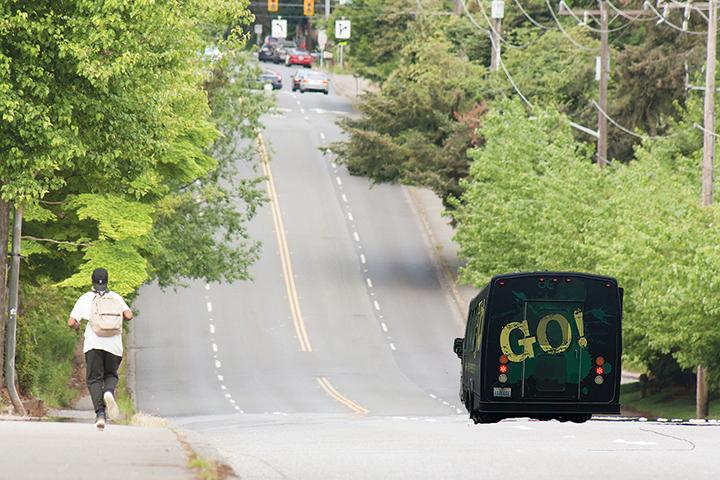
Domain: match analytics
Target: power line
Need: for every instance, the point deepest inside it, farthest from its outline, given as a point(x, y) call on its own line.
point(557, 21)
point(665, 21)
point(624, 129)
point(496, 32)
point(638, 18)
point(531, 19)
point(583, 23)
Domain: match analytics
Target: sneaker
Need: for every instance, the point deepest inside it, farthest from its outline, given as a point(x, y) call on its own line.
point(100, 421)
point(111, 406)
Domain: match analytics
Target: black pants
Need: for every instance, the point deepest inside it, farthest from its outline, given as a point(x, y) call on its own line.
point(101, 370)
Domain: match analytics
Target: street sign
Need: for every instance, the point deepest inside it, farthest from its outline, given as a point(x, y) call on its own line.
point(322, 39)
point(308, 8)
point(279, 28)
point(342, 29)
point(258, 29)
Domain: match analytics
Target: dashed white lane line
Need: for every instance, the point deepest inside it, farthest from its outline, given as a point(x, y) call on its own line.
point(209, 307)
point(350, 216)
point(446, 403)
point(302, 110)
point(207, 286)
point(232, 401)
point(220, 378)
point(218, 364)
point(458, 411)
point(369, 282)
point(384, 327)
point(306, 117)
point(344, 198)
point(392, 346)
point(212, 329)
point(376, 304)
point(214, 347)
point(322, 135)
point(227, 395)
point(334, 165)
point(223, 387)
point(433, 396)
point(362, 258)
point(338, 180)
point(356, 236)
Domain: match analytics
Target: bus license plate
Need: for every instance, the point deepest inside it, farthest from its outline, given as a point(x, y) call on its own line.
point(502, 392)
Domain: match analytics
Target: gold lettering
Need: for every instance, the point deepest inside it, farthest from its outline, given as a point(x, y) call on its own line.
point(526, 343)
point(564, 328)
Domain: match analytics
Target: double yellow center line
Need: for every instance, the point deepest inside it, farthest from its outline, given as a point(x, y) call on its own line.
point(297, 317)
point(295, 311)
point(330, 390)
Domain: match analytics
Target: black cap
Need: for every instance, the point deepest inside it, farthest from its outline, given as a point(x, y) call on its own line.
point(100, 279)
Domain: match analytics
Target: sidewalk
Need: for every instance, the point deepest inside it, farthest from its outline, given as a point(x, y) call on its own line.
point(41, 450)
point(351, 87)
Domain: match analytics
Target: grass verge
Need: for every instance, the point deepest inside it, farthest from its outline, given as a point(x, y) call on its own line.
point(203, 468)
point(671, 402)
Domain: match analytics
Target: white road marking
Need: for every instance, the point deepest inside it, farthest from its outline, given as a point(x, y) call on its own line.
point(350, 216)
point(362, 258)
point(384, 327)
point(214, 346)
point(458, 411)
point(306, 117)
point(446, 403)
point(221, 378)
point(369, 282)
point(337, 179)
point(356, 236)
point(569, 436)
point(232, 401)
point(223, 387)
point(207, 286)
point(635, 442)
point(218, 364)
point(334, 165)
point(209, 307)
point(212, 328)
point(433, 396)
point(344, 198)
point(238, 408)
point(377, 305)
point(302, 110)
point(392, 346)
point(523, 427)
point(227, 395)
point(322, 135)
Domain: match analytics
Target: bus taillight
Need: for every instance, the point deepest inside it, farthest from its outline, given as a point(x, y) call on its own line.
point(599, 361)
point(503, 368)
point(503, 358)
point(599, 370)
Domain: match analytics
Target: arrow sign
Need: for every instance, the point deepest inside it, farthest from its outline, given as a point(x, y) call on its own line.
point(279, 28)
point(342, 29)
point(322, 39)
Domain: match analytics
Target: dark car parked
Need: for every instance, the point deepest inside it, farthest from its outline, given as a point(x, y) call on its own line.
point(271, 77)
point(265, 54)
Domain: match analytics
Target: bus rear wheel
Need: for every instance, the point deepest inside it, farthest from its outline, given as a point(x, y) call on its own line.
point(580, 418)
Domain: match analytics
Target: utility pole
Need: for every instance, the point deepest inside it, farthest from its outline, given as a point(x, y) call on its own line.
point(496, 15)
point(602, 70)
point(4, 236)
point(12, 317)
point(702, 401)
point(327, 9)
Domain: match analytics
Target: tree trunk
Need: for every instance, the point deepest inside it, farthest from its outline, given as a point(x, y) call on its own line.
point(4, 239)
point(702, 402)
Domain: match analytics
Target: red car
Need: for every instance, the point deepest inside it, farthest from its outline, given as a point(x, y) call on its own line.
point(299, 57)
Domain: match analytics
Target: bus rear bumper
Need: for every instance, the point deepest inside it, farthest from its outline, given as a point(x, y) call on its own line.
point(527, 408)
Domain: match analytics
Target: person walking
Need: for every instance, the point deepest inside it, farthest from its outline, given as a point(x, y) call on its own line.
point(105, 311)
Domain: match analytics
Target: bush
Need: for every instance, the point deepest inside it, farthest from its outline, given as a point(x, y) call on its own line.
point(45, 346)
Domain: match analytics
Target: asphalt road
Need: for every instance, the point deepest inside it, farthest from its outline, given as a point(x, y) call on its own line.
point(336, 361)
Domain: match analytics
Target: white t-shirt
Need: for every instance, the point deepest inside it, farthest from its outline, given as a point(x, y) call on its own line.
point(81, 311)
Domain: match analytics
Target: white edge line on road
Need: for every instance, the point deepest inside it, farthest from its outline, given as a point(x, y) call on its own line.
point(369, 282)
point(384, 327)
point(209, 307)
point(376, 304)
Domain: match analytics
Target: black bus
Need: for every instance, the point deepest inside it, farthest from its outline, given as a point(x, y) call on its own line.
point(543, 345)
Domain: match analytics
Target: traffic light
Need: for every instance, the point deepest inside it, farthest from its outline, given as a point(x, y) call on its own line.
point(272, 5)
point(309, 7)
